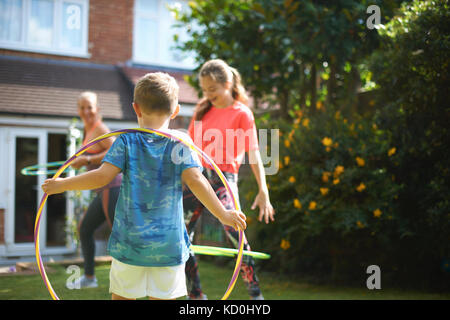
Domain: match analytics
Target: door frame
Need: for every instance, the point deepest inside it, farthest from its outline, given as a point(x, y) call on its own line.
point(11, 135)
point(26, 249)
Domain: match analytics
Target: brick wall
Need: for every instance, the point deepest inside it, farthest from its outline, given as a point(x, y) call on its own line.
point(110, 34)
point(110, 30)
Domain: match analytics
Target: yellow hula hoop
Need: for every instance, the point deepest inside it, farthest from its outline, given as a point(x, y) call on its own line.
point(116, 133)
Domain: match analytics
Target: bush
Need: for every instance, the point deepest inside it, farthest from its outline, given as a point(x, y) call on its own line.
point(333, 188)
point(412, 69)
point(373, 188)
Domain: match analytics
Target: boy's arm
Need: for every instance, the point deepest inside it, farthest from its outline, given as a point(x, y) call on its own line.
point(201, 188)
point(89, 180)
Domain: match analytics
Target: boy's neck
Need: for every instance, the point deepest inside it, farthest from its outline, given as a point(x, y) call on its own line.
point(156, 122)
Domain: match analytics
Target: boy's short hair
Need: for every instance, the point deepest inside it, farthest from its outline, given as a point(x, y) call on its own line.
point(156, 92)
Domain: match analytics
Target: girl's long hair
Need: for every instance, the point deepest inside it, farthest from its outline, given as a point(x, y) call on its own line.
point(220, 72)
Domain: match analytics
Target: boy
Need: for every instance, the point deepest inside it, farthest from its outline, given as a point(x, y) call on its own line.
point(149, 243)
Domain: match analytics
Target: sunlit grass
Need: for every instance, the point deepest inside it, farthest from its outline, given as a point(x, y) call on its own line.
point(215, 279)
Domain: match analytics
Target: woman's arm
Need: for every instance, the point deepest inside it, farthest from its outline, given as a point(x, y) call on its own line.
point(97, 158)
point(262, 199)
point(105, 145)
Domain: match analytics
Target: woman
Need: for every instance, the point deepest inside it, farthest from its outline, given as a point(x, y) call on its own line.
point(224, 116)
point(103, 206)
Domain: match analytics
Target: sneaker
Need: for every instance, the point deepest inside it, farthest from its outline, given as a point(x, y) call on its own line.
point(258, 297)
point(202, 297)
point(83, 282)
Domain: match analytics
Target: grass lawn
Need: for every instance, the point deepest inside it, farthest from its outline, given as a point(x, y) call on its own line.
point(215, 279)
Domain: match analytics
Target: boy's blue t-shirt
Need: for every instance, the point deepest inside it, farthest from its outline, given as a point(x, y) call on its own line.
point(149, 228)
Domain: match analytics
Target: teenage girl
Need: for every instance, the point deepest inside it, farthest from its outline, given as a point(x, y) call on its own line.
point(223, 109)
point(104, 203)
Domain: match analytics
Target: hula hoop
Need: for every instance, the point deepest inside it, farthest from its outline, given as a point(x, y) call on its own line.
point(227, 252)
point(34, 170)
point(116, 133)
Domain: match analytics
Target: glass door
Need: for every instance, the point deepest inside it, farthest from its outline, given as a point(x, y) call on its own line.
point(57, 204)
point(25, 147)
point(25, 190)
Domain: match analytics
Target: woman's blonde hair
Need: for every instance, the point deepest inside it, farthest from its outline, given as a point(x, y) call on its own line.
point(221, 73)
point(87, 95)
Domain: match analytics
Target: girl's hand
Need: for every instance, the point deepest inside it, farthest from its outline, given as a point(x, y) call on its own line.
point(265, 207)
point(53, 186)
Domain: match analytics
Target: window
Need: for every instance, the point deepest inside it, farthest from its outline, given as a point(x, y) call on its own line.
point(153, 35)
point(45, 26)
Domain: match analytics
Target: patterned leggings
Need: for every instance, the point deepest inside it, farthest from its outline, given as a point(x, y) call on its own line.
point(193, 208)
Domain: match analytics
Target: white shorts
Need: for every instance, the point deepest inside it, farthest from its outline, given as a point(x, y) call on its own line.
point(133, 282)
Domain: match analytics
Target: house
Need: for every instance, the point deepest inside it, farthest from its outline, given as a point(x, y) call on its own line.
point(51, 51)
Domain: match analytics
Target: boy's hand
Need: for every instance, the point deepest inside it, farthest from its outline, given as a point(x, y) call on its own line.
point(234, 218)
point(53, 186)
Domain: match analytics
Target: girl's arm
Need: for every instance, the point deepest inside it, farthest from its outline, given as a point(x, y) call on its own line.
point(93, 179)
point(201, 188)
point(262, 199)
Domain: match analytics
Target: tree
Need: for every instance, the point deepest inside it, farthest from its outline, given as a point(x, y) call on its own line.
point(290, 53)
point(411, 69)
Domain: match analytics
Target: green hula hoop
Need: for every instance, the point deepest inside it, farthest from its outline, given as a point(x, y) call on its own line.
point(227, 252)
point(36, 170)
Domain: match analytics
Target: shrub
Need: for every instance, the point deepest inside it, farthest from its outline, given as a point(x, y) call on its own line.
point(333, 188)
point(372, 188)
point(412, 69)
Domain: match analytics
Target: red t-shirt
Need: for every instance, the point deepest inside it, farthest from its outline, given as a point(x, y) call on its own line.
point(225, 134)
